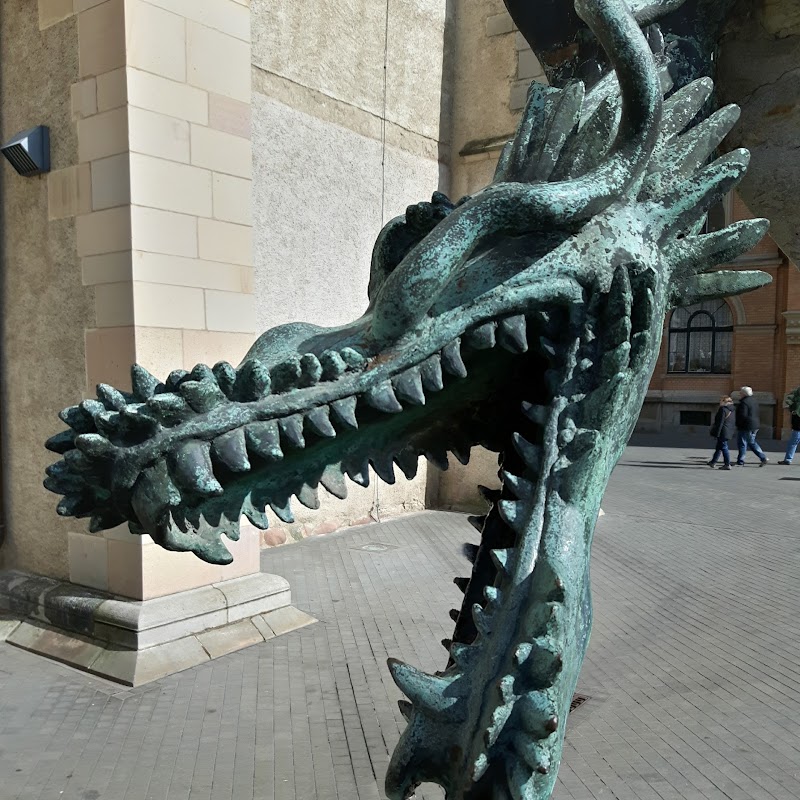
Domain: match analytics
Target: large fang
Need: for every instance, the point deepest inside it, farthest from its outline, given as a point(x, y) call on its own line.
point(292, 430)
point(482, 337)
point(511, 334)
point(263, 440)
point(231, 450)
point(431, 371)
point(345, 411)
point(309, 497)
point(320, 423)
point(451, 359)
point(333, 480)
point(283, 512)
point(408, 387)
point(382, 397)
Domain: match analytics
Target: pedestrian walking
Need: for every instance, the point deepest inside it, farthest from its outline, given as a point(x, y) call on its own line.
point(747, 425)
point(793, 404)
point(723, 429)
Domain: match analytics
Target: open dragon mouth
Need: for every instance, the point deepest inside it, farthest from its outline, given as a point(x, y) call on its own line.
point(526, 319)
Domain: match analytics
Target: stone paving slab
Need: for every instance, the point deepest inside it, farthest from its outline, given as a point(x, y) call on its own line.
point(692, 671)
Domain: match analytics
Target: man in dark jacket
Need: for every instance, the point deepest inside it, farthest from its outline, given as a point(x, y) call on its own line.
point(794, 439)
point(747, 424)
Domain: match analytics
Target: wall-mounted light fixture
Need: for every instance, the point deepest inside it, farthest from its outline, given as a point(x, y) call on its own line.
point(29, 151)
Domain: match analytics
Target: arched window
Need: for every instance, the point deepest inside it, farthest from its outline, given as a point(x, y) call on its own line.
point(701, 338)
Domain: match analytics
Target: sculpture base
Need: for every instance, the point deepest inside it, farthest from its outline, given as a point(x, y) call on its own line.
point(135, 642)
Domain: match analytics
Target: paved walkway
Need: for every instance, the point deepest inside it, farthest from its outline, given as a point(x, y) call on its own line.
point(692, 671)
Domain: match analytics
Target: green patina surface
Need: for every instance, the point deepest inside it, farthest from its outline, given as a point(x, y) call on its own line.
point(526, 319)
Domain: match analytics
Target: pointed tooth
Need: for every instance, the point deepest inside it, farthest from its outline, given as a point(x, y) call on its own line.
point(463, 655)
point(333, 480)
point(311, 370)
point(490, 495)
point(482, 337)
point(309, 497)
point(461, 454)
point(431, 372)
point(481, 619)
point(382, 398)
point(536, 414)
point(438, 458)
point(65, 484)
point(253, 381)
point(175, 378)
point(384, 468)
point(491, 593)
point(231, 450)
point(92, 407)
point(352, 358)
point(292, 430)
point(283, 512)
point(61, 443)
point(108, 423)
point(225, 375)
point(74, 505)
point(408, 387)
point(358, 472)
point(256, 515)
point(201, 372)
point(522, 489)
point(345, 412)
point(454, 614)
point(191, 468)
point(286, 375)
point(202, 396)
point(153, 495)
point(94, 445)
point(333, 365)
point(530, 453)
point(447, 644)
point(408, 461)
point(477, 522)
point(462, 583)
point(501, 559)
point(169, 408)
point(470, 551)
point(405, 709)
point(512, 513)
point(426, 692)
point(451, 359)
point(78, 419)
point(479, 770)
point(511, 334)
point(263, 440)
point(319, 421)
point(110, 397)
point(144, 384)
point(615, 361)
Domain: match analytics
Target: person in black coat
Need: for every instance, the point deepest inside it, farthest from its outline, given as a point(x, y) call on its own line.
point(723, 429)
point(794, 439)
point(747, 424)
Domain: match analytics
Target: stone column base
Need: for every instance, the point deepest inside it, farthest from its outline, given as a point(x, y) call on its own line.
point(134, 642)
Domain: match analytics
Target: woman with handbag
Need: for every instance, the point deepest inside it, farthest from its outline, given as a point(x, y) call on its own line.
point(724, 428)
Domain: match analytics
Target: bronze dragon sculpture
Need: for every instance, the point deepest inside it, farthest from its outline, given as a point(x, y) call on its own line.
point(526, 319)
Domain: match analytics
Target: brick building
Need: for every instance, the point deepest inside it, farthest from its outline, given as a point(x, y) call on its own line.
point(714, 348)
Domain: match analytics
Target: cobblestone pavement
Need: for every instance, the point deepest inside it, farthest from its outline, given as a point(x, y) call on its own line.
point(692, 671)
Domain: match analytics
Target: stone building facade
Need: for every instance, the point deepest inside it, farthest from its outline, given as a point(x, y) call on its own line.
point(220, 167)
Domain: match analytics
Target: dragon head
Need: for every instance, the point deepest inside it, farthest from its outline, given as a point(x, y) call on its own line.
point(526, 319)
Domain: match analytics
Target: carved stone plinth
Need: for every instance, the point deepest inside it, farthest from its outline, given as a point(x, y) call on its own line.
point(135, 642)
